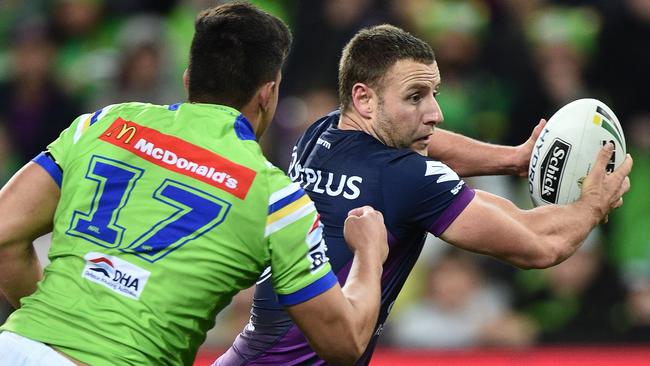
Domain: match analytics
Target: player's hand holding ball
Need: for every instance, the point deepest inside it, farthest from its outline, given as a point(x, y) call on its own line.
point(365, 232)
point(562, 166)
point(603, 190)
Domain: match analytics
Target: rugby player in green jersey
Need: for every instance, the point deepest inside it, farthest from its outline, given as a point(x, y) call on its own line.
point(160, 214)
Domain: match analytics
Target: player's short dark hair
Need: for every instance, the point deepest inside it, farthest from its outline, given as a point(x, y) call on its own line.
point(236, 48)
point(372, 51)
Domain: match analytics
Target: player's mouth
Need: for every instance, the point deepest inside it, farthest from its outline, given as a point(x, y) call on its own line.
point(425, 138)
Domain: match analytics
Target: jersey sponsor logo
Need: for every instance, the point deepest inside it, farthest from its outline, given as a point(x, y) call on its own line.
point(443, 171)
point(552, 169)
point(180, 156)
point(321, 182)
point(115, 274)
point(457, 188)
point(323, 143)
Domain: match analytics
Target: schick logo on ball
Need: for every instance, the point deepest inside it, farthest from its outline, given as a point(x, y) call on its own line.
point(551, 170)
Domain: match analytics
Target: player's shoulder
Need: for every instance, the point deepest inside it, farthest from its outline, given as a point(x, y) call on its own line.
point(311, 135)
point(120, 109)
point(412, 167)
point(274, 177)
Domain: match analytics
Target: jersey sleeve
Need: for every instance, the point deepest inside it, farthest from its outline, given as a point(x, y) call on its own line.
point(56, 155)
point(430, 193)
point(300, 268)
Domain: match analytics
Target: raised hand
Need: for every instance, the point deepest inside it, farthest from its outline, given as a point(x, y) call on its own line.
point(365, 232)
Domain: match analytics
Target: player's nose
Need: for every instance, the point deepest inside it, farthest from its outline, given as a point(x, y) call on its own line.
point(434, 114)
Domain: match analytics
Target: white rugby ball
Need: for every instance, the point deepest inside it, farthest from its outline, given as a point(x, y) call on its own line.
point(567, 148)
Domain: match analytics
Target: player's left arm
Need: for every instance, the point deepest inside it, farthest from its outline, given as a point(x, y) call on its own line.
point(27, 205)
point(469, 157)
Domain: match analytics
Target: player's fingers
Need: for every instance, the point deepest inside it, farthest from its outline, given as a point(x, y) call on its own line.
point(360, 211)
point(618, 203)
point(624, 187)
point(604, 155)
point(538, 129)
point(626, 166)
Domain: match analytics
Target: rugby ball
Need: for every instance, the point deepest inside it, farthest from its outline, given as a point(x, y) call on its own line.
point(567, 148)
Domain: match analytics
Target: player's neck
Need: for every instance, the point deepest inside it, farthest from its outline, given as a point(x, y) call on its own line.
point(353, 121)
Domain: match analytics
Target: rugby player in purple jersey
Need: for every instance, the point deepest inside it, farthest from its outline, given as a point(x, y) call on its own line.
point(381, 150)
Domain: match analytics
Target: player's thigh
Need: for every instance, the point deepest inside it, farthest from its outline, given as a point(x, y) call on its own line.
point(17, 350)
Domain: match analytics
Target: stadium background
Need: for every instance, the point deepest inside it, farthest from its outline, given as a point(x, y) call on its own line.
point(505, 64)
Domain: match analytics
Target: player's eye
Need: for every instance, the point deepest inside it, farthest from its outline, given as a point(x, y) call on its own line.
point(415, 98)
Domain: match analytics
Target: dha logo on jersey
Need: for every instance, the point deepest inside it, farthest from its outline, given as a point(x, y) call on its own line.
point(317, 255)
point(116, 274)
point(180, 156)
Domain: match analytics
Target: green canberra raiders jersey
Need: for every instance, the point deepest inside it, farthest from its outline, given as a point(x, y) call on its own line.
point(165, 213)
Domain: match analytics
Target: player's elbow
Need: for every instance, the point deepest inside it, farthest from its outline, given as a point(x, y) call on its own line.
point(547, 253)
point(346, 355)
point(348, 347)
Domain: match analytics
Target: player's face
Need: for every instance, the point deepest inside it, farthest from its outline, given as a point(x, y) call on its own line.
point(407, 111)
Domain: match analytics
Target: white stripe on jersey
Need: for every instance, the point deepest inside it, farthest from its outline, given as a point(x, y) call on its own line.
point(284, 192)
point(289, 219)
point(80, 127)
point(264, 276)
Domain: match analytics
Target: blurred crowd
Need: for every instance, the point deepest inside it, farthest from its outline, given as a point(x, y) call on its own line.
point(505, 64)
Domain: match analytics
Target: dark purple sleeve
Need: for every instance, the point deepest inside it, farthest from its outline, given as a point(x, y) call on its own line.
point(424, 193)
point(464, 197)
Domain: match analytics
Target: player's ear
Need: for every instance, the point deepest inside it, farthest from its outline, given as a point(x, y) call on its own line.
point(265, 95)
point(186, 79)
point(362, 99)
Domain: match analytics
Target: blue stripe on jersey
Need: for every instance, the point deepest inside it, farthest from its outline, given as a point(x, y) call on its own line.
point(318, 287)
point(93, 119)
point(286, 200)
point(243, 128)
point(174, 107)
point(45, 160)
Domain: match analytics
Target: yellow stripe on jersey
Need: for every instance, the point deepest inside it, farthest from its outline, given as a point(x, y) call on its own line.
point(84, 122)
point(289, 214)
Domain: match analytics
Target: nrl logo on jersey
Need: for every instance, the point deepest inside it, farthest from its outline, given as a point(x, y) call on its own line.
point(443, 171)
point(116, 274)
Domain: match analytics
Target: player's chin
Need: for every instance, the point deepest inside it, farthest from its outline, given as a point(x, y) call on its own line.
point(421, 147)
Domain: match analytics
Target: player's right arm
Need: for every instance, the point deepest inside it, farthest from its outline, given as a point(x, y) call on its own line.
point(337, 322)
point(27, 205)
point(340, 322)
point(543, 236)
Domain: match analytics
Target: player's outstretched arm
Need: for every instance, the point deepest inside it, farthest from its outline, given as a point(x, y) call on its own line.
point(339, 322)
point(543, 236)
point(27, 205)
point(469, 157)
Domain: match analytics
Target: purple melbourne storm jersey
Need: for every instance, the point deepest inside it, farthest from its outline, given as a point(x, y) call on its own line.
point(341, 170)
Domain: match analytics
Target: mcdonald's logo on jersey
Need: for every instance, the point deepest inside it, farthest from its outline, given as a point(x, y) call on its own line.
point(121, 130)
point(180, 156)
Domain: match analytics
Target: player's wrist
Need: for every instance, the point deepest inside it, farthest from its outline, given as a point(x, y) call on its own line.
point(516, 160)
point(590, 204)
point(369, 258)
